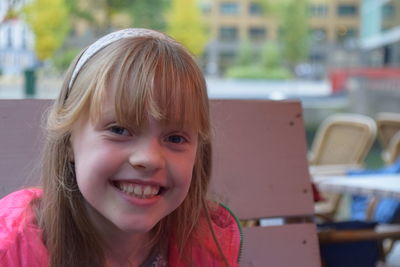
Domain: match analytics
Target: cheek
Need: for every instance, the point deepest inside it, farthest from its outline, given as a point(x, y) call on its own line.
point(185, 169)
point(96, 163)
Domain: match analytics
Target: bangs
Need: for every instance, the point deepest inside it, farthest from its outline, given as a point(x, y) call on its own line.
point(157, 78)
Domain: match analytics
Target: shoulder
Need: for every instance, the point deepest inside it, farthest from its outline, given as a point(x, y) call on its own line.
point(204, 251)
point(228, 231)
point(16, 219)
point(15, 205)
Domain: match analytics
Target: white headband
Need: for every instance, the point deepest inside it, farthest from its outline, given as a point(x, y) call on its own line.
point(108, 39)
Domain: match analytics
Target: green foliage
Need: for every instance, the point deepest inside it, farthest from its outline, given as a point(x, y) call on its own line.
point(265, 66)
point(48, 19)
point(76, 12)
point(295, 31)
point(112, 7)
point(270, 57)
point(149, 14)
point(271, 7)
point(11, 14)
point(292, 17)
point(62, 59)
point(257, 72)
point(245, 54)
point(185, 24)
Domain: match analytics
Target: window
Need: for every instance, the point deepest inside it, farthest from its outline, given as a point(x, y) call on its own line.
point(23, 39)
point(206, 8)
point(257, 33)
point(388, 11)
point(226, 59)
point(319, 10)
point(229, 8)
point(346, 34)
point(317, 57)
point(318, 35)
point(255, 9)
point(9, 37)
point(347, 10)
point(228, 33)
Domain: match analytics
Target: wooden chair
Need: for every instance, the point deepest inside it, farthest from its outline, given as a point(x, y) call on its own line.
point(388, 125)
point(259, 169)
point(21, 139)
point(341, 143)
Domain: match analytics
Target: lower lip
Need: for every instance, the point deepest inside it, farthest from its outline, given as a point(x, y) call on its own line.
point(137, 201)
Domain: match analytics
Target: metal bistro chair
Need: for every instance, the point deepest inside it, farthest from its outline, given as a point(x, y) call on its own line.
point(388, 125)
point(341, 143)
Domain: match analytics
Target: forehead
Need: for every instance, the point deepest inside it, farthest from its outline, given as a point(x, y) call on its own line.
point(137, 114)
point(159, 80)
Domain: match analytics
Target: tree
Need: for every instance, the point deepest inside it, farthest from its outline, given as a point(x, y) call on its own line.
point(245, 54)
point(295, 31)
point(185, 24)
point(292, 17)
point(48, 19)
point(149, 14)
point(111, 7)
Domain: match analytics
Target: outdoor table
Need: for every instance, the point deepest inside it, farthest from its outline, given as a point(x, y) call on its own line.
point(376, 185)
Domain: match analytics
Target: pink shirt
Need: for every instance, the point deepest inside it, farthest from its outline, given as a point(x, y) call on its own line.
point(20, 239)
point(21, 242)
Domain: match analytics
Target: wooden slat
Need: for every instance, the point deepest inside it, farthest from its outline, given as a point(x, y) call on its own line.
point(281, 246)
point(260, 166)
point(21, 139)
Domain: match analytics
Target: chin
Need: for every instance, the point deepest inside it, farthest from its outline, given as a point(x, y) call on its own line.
point(136, 226)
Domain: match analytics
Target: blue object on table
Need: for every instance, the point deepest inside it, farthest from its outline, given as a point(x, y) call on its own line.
point(387, 210)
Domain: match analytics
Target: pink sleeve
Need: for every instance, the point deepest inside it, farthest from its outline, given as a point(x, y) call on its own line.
point(20, 239)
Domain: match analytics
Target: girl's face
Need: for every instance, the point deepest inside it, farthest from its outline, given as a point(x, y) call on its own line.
point(131, 180)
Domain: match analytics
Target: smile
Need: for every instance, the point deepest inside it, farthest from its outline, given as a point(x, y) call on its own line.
point(138, 190)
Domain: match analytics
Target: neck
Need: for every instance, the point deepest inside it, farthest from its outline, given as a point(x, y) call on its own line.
point(121, 248)
point(127, 251)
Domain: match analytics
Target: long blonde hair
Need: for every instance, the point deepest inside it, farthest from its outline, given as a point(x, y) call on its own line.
point(152, 76)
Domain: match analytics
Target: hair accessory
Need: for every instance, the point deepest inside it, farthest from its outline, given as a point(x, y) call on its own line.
point(108, 39)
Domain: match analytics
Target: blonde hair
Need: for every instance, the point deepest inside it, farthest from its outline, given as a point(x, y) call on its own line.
point(151, 76)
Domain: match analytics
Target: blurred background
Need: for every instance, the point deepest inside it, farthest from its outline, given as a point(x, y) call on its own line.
point(333, 55)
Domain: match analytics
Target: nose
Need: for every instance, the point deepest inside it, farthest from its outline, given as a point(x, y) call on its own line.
point(147, 156)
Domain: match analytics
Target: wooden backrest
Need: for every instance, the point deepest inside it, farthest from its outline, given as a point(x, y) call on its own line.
point(21, 139)
point(343, 139)
point(259, 169)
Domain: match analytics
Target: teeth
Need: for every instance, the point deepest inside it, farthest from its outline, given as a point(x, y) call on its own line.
point(139, 191)
point(147, 191)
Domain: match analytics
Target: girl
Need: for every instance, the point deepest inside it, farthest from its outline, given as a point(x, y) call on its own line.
point(126, 166)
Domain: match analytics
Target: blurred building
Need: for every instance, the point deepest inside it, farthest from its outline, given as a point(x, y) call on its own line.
point(380, 32)
point(334, 31)
point(16, 40)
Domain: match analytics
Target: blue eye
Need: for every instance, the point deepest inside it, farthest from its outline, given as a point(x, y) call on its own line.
point(176, 139)
point(119, 130)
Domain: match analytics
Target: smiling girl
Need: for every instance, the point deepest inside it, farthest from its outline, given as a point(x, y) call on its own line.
point(126, 166)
